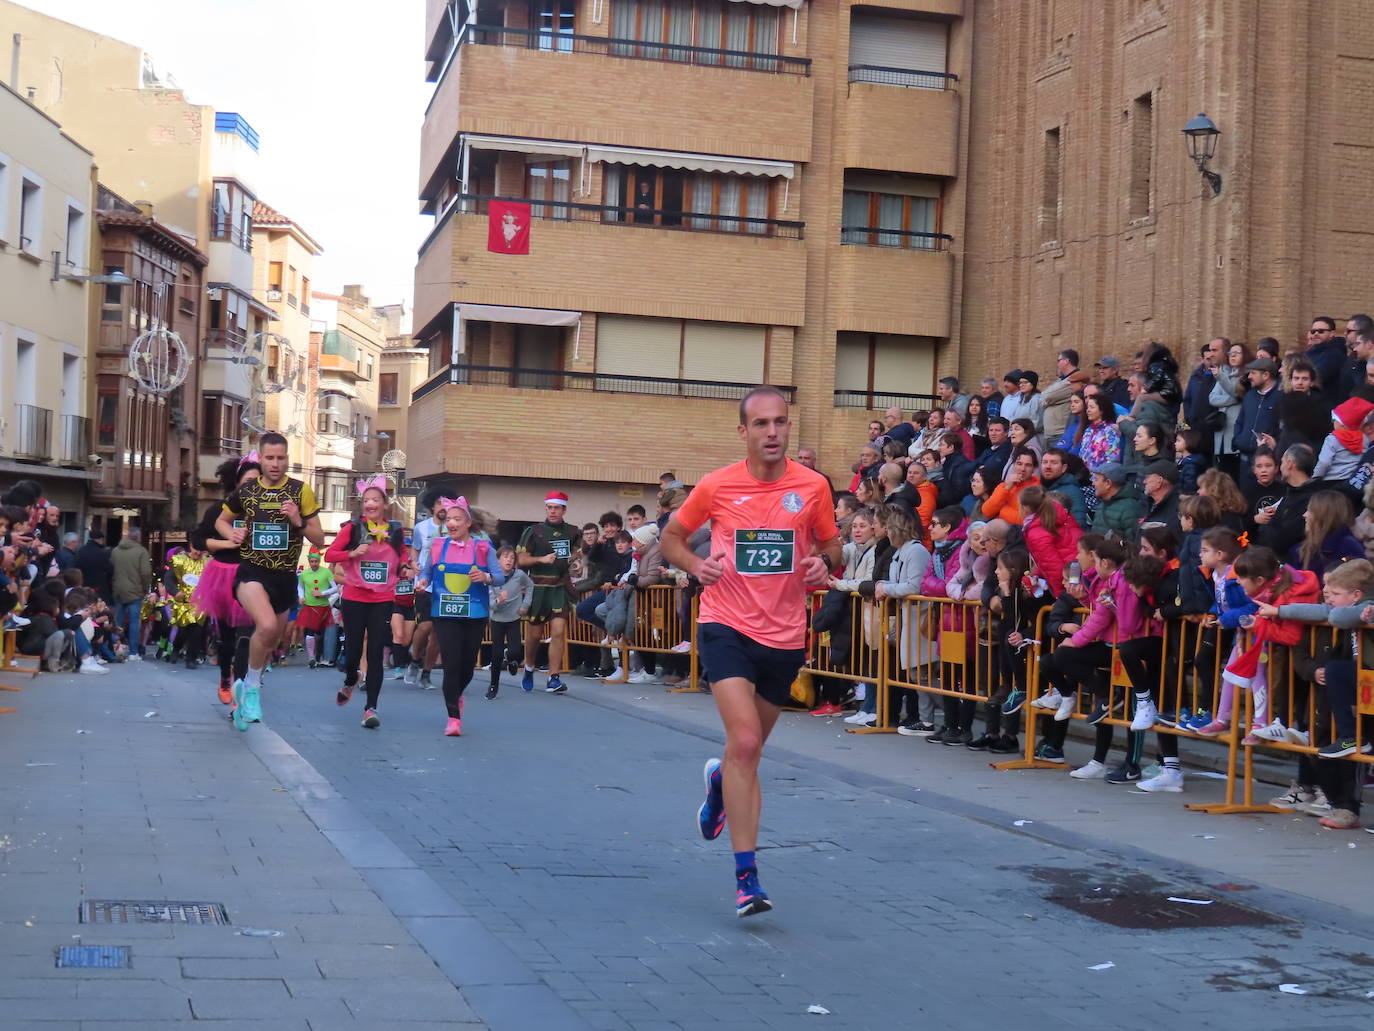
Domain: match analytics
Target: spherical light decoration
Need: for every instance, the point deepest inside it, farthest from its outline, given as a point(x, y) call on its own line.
point(159, 361)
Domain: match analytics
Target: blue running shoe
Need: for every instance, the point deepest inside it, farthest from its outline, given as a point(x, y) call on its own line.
point(711, 815)
point(1014, 702)
point(750, 899)
point(239, 714)
point(527, 681)
point(556, 685)
point(252, 705)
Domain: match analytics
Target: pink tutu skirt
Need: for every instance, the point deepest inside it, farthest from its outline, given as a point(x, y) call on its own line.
point(214, 595)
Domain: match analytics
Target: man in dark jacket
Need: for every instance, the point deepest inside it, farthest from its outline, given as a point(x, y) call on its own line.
point(1325, 350)
point(1109, 379)
point(93, 559)
point(1197, 406)
point(1259, 410)
point(896, 491)
point(1304, 411)
point(1282, 525)
point(994, 460)
point(1118, 509)
point(1056, 478)
point(956, 471)
point(1359, 335)
point(1161, 497)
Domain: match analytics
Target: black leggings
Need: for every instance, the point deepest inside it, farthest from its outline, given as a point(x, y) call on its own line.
point(507, 642)
point(460, 642)
point(233, 651)
point(373, 619)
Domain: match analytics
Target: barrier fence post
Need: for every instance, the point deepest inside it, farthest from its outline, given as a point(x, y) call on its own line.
point(1028, 761)
point(694, 665)
point(880, 682)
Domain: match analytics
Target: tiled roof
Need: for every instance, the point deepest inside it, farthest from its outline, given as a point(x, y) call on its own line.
point(268, 215)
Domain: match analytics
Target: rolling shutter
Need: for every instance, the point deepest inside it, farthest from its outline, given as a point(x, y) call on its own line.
point(884, 41)
point(851, 361)
point(904, 364)
point(723, 351)
point(629, 346)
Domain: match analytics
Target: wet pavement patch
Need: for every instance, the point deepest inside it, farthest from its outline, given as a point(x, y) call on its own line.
point(1140, 902)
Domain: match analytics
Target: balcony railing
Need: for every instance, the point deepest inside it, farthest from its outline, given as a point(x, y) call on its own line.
point(902, 77)
point(877, 236)
point(214, 444)
point(555, 379)
point(224, 231)
point(877, 401)
point(641, 218)
point(636, 49)
point(33, 429)
point(74, 440)
point(232, 339)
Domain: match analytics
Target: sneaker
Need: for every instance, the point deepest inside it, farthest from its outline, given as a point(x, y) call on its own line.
point(1170, 719)
point(89, 665)
point(14, 621)
point(252, 702)
point(484, 669)
point(617, 674)
point(1014, 702)
point(681, 648)
point(453, 728)
point(982, 743)
point(1319, 806)
point(226, 693)
point(1126, 773)
point(937, 738)
point(1067, 704)
point(1295, 797)
point(425, 683)
point(750, 899)
point(396, 674)
point(1004, 744)
point(556, 686)
point(1213, 728)
point(641, 677)
point(1341, 820)
point(527, 681)
point(1049, 700)
point(345, 693)
point(491, 691)
point(1094, 770)
point(239, 713)
point(512, 667)
point(863, 719)
point(1101, 710)
point(1297, 737)
point(1145, 715)
point(1170, 778)
point(826, 709)
point(1047, 752)
point(1340, 749)
point(958, 738)
point(371, 720)
point(1275, 731)
point(412, 676)
point(542, 667)
point(1198, 720)
point(711, 815)
point(135, 657)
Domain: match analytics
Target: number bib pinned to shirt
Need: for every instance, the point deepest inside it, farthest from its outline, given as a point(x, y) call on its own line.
point(405, 587)
point(562, 547)
point(271, 537)
point(372, 572)
point(764, 552)
point(453, 606)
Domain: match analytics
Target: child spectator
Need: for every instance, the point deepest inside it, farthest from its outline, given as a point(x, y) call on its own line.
point(1141, 649)
point(1334, 784)
point(1179, 635)
point(509, 602)
point(1051, 533)
point(1191, 459)
point(1014, 605)
point(1327, 536)
point(947, 530)
point(1258, 573)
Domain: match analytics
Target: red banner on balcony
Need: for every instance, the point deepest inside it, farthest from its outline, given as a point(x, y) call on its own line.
point(508, 227)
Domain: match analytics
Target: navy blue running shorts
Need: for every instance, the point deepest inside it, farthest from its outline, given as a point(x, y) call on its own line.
point(726, 653)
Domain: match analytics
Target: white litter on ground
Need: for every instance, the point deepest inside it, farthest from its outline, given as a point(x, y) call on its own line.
point(1292, 989)
point(819, 1010)
point(1191, 902)
point(1022, 823)
point(1103, 966)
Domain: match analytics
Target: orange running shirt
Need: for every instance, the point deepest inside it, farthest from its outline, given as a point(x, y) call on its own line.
point(764, 531)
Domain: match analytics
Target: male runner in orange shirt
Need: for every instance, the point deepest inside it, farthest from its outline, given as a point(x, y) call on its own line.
point(773, 536)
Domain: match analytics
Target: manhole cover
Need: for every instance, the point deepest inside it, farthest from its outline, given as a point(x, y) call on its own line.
point(1140, 902)
point(96, 911)
point(93, 957)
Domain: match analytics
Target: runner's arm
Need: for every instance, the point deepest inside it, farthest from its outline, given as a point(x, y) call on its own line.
point(674, 547)
point(313, 531)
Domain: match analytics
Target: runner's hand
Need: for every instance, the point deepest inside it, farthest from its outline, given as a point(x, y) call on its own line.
point(815, 573)
point(292, 511)
point(479, 575)
point(238, 535)
point(710, 570)
point(422, 585)
point(361, 550)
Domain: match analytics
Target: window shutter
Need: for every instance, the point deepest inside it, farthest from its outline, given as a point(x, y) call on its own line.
point(888, 42)
point(629, 346)
point(851, 361)
point(904, 364)
point(723, 351)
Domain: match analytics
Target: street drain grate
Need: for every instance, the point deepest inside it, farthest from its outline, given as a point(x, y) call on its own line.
point(97, 911)
point(93, 957)
point(1140, 902)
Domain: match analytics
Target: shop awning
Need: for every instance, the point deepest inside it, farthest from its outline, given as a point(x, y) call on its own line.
point(522, 146)
point(463, 312)
point(696, 162)
point(794, 4)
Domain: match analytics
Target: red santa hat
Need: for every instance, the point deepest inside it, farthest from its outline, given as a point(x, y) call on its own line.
point(556, 497)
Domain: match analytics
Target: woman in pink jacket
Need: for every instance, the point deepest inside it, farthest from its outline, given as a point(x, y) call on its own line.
point(1051, 534)
point(949, 535)
point(369, 549)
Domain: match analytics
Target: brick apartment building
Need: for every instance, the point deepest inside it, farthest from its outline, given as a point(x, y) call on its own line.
point(848, 200)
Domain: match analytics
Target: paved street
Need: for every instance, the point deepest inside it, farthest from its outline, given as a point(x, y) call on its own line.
point(544, 871)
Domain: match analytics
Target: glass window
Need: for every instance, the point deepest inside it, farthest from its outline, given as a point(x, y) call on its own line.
point(548, 181)
point(388, 388)
point(865, 214)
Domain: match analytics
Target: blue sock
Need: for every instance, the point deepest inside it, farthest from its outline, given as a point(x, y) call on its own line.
point(744, 862)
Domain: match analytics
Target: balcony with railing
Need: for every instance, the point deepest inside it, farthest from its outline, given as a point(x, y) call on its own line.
point(442, 414)
point(902, 120)
point(33, 433)
point(516, 82)
point(744, 269)
point(893, 281)
point(73, 440)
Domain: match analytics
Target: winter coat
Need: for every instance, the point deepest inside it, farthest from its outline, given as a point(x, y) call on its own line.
point(833, 618)
point(1259, 413)
point(992, 462)
point(1101, 444)
point(915, 646)
point(1287, 527)
point(1068, 439)
point(1190, 467)
point(1341, 545)
point(1053, 551)
point(1164, 512)
point(1069, 492)
point(972, 574)
point(1197, 405)
point(1119, 516)
point(945, 563)
point(1336, 461)
point(133, 571)
point(1019, 407)
point(1226, 395)
point(1004, 502)
point(1329, 359)
point(1116, 614)
point(1304, 418)
point(1054, 400)
point(957, 474)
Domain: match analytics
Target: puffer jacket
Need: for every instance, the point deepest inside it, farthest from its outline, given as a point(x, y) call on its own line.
point(1053, 551)
point(945, 563)
point(1118, 614)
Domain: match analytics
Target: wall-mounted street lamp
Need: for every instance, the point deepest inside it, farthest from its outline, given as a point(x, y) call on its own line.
point(115, 278)
point(1202, 136)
